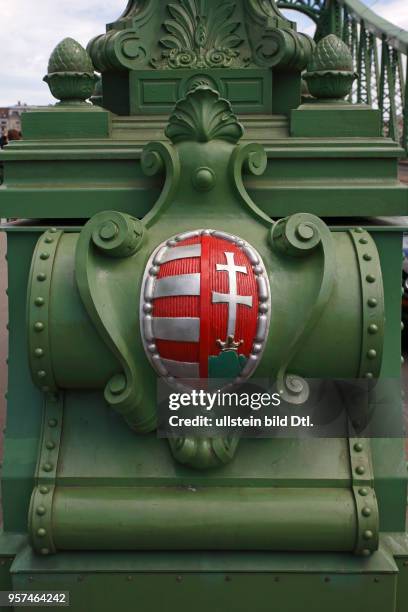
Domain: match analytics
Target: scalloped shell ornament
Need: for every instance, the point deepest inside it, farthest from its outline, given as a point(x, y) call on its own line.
point(331, 53)
point(204, 116)
point(70, 56)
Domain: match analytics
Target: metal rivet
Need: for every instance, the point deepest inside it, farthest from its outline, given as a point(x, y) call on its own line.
point(42, 374)
point(366, 511)
point(148, 308)
point(49, 240)
point(368, 535)
point(53, 230)
point(358, 447)
point(359, 230)
point(41, 277)
point(44, 490)
point(44, 256)
point(372, 302)
point(367, 257)
point(327, 579)
point(129, 578)
point(204, 179)
point(366, 552)
point(370, 278)
point(179, 578)
point(50, 445)
point(39, 301)
point(376, 580)
point(373, 328)
point(118, 384)
point(41, 510)
point(108, 231)
point(360, 469)
point(39, 326)
point(363, 241)
point(38, 352)
point(372, 354)
point(41, 532)
point(45, 551)
point(369, 375)
point(48, 467)
point(154, 271)
point(53, 422)
point(304, 232)
point(227, 578)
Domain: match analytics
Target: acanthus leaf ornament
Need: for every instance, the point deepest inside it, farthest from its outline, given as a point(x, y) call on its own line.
point(201, 37)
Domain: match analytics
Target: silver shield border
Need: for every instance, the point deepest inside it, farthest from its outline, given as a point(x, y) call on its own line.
point(146, 301)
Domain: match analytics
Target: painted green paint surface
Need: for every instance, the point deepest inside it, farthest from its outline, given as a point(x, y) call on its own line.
point(76, 162)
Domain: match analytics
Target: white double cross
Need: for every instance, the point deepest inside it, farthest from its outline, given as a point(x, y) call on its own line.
point(232, 298)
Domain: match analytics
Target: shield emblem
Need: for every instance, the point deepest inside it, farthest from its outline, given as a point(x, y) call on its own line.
point(205, 302)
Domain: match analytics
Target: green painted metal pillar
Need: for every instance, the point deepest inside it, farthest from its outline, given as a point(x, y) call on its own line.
point(201, 216)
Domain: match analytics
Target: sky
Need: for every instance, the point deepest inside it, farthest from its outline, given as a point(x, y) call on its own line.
point(30, 31)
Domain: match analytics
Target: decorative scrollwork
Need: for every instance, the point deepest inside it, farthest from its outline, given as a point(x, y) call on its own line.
point(124, 391)
point(203, 37)
point(299, 236)
point(118, 235)
point(120, 50)
point(284, 48)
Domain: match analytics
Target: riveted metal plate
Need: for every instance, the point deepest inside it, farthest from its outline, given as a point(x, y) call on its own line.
point(368, 527)
point(372, 295)
point(39, 309)
point(40, 515)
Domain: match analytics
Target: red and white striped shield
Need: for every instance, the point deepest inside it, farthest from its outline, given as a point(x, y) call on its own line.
point(203, 292)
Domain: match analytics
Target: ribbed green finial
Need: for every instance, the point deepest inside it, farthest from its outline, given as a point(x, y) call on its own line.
point(70, 56)
point(331, 53)
point(330, 72)
point(70, 77)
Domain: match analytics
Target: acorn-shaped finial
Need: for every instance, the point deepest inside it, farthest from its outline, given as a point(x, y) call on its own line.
point(71, 76)
point(330, 72)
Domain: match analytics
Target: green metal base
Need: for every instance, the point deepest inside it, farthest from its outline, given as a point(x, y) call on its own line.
point(223, 582)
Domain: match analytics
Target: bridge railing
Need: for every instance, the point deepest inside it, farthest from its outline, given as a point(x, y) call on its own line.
point(380, 54)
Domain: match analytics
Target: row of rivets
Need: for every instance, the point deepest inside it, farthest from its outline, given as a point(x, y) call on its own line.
point(363, 495)
point(372, 329)
point(43, 495)
point(41, 364)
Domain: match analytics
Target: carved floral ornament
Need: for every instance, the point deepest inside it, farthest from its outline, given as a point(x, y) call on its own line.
point(200, 36)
